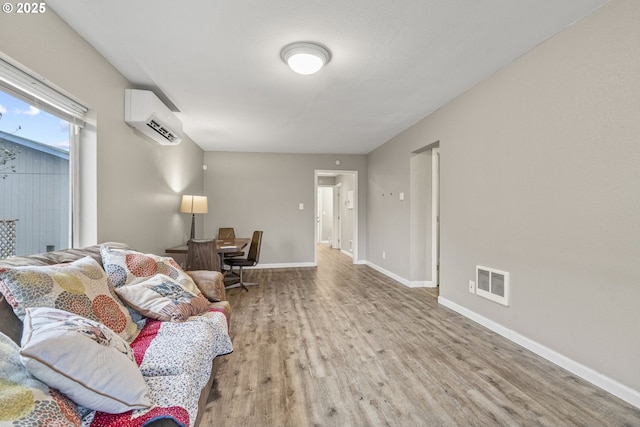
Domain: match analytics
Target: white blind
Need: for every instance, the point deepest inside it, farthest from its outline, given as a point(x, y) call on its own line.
point(34, 89)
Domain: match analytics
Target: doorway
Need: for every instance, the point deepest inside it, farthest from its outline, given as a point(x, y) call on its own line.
point(424, 217)
point(435, 215)
point(340, 215)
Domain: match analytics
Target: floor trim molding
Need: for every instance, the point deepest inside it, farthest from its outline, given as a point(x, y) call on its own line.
point(617, 389)
point(389, 274)
point(347, 253)
point(284, 265)
point(402, 280)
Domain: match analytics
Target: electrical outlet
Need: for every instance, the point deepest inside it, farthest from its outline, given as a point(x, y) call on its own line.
point(472, 286)
point(384, 255)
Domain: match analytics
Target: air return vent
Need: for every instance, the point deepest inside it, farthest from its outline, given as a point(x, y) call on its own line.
point(492, 284)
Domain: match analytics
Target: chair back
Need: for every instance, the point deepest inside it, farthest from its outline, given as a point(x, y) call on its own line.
point(254, 249)
point(226, 233)
point(202, 255)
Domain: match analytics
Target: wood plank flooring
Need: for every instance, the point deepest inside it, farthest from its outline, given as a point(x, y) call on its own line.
point(343, 345)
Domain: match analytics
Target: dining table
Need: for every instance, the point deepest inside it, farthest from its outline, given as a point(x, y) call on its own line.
point(223, 246)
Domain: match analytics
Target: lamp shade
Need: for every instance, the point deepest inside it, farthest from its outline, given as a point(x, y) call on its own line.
point(194, 204)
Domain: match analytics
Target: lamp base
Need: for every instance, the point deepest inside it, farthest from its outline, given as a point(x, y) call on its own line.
point(193, 226)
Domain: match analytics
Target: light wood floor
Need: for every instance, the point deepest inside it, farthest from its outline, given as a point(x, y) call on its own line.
point(343, 345)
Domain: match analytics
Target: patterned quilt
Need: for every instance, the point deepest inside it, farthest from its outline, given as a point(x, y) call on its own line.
point(175, 360)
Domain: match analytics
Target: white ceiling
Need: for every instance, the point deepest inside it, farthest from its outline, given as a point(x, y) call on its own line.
point(393, 62)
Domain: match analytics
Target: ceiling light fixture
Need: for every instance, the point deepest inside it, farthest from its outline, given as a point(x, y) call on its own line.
point(305, 57)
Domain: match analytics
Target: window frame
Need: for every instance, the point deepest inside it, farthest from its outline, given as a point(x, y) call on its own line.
point(22, 83)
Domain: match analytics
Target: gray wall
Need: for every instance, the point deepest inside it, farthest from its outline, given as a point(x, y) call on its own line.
point(539, 177)
point(136, 192)
point(388, 217)
point(259, 191)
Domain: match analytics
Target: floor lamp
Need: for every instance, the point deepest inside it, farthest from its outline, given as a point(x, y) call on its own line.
point(194, 205)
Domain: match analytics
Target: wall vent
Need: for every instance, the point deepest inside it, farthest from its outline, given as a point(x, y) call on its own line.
point(492, 284)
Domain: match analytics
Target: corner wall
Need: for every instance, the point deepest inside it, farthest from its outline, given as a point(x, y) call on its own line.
point(262, 191)
point(539, 177)
point(134, 184)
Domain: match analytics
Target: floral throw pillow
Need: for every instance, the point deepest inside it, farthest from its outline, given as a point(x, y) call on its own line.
point(162, 298)
point(127, 267)
point(27, 401)
point(80, 287)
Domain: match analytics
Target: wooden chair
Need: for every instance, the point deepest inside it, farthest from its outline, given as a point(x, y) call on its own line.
point(252, 259)
point(228, 233)
point(202, 254)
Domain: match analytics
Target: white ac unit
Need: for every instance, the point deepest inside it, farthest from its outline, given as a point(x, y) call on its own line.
point(144, 112)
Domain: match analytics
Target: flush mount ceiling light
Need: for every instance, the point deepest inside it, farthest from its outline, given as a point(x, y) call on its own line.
point(305, 57)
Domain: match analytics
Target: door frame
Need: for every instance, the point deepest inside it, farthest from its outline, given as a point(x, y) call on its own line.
point(354, 173)
point(435, 216)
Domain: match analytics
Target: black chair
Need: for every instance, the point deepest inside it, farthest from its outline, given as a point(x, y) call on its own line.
point(228, 233)
point(252, 259)
point(202, 254)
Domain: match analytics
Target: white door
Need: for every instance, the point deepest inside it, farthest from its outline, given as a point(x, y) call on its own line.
point(319, 215)
point(337, 228)
point(324, 215)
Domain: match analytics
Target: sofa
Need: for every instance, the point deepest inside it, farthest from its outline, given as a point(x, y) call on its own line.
point(108, 336)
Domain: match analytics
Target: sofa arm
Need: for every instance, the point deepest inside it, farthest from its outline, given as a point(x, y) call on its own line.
point(210, 283)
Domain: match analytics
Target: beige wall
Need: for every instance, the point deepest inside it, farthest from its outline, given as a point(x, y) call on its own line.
point(540, 177)
point(139, 183)
point(262, 191)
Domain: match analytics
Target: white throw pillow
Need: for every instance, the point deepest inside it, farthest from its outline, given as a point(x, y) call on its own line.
point(83, 359)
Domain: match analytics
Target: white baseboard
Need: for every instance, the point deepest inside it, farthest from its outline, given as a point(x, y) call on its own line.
point(421, 284)
point(346, 253)
point(402, 280)
point(284, 265)
point(388, 273)
point(617, 389)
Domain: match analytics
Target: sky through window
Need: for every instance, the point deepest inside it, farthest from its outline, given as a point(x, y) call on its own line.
point(24, 120)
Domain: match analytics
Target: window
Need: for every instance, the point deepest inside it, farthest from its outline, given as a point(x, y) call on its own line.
point(39, 127)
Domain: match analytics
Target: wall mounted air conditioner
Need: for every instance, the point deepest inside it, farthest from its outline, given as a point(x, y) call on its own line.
point(144, 112)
